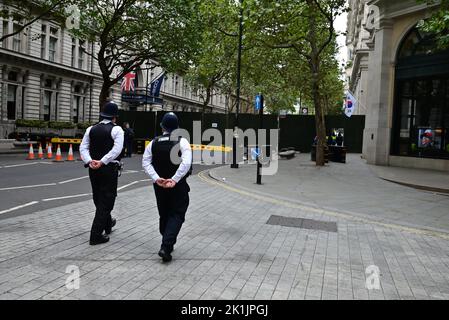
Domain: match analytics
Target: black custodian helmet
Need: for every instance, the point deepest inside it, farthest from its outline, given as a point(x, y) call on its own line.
point(170, 122)
point(110, 110)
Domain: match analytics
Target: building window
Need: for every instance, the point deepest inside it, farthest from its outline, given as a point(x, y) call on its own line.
point(5, 31)
point(52, 49)
point(49, 43)
point(176, 84)
point(16, 39)
point(48, 92)
point(47, 105)
point(12, 102)
point(43, 41)
point(12, 76)
point(81, 54)
point(77, 104)
point(73, 52)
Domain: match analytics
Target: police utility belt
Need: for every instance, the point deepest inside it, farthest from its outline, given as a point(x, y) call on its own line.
point(115, 164)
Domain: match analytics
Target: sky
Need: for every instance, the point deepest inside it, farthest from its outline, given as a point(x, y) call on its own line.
point(340, 26)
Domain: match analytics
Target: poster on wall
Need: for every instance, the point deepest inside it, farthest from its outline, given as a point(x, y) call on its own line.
point(429, 138)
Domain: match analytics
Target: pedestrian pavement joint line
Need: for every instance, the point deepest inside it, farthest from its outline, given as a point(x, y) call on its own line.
point(206, 178)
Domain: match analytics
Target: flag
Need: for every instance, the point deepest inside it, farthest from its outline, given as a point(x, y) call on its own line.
point(155, 85)
point(128, 81)
point(350, 104)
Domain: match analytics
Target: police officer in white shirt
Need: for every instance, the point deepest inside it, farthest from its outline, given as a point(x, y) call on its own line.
point(101, 151)
point(169, 177)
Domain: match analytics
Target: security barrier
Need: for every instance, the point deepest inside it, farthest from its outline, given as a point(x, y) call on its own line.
point(66, 140)
point(203, 147)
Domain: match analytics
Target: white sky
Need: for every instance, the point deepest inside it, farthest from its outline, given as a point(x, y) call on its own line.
point(340, 26)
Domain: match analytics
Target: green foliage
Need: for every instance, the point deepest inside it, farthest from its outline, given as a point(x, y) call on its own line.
point(83, 126)
point(277, 49)
point(61, 125)
point(438, 23)
point(31, 123)
point(131, 32)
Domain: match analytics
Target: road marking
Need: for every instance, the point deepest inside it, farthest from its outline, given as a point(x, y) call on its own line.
point(130, 171)
point(127, 185)
point(27, 187)
point(19, 207)
point(145, 180)
point(67, 197)
point(334, 214)
point(74, 179)
point(20, 165)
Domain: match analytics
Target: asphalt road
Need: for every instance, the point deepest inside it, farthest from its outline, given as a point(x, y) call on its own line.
point(28, 186)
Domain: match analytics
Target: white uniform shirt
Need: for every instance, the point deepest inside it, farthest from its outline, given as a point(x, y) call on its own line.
point(117, 135)
point(184, 167)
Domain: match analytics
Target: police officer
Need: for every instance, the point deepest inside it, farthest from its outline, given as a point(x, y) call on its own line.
point(169, 171)
point(101, 151)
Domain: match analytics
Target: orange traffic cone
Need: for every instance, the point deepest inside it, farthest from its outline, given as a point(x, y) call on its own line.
point(70, 155)
point(30, 153)
point(58, 157)
point(40, 153)
point(49, 152)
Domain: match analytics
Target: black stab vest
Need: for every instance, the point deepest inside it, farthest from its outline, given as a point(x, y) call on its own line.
point(101, 141)
point(161, 149)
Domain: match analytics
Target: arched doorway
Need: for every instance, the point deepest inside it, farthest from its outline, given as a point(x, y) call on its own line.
point(421, 109)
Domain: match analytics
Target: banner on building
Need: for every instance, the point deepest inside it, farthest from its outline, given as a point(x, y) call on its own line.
point(155, 85)
point(350, 104)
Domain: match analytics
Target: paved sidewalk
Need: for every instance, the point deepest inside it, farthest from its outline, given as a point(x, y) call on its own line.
point(226, 250)
point(353, 188)
point(430, 180)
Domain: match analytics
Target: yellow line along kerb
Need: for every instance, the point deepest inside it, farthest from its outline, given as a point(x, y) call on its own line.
point(341, 215)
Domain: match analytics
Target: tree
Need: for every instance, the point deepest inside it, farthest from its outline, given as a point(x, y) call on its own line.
point(130, 32)
point(211, 67)
point(438, 23)
point(306, 28)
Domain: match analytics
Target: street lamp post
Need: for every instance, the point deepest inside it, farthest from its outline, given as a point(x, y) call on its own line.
point(234, 164)
point(146, 86)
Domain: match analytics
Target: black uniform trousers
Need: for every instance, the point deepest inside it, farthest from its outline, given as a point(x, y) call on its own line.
point(172, 205)
point(104, 189)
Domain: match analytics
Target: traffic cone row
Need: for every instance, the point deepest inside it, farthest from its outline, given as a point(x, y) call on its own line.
point(58, 158)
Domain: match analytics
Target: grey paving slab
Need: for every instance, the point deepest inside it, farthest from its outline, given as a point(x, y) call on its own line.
point(226, 250)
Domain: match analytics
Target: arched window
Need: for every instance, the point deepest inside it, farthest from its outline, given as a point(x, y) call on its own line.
point(421, 109)
point(417, 43)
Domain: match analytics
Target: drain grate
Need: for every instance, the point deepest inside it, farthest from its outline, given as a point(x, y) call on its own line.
point(303, 223)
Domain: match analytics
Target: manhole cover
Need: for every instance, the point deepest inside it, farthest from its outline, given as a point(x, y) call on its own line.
point(303, 223)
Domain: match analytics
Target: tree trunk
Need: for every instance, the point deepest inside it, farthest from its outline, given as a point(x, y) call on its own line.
point(104, 94)
point(205, 103)
point(314, 65)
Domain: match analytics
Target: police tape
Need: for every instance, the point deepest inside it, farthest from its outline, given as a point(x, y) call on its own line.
point(203, 147)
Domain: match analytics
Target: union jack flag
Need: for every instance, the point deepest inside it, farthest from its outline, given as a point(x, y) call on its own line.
point(128, 81)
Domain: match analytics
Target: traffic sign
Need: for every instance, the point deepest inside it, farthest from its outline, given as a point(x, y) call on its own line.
point(258, 102)
point(254, 153)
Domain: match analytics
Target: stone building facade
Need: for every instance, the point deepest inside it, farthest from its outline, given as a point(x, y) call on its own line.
point(401, 81)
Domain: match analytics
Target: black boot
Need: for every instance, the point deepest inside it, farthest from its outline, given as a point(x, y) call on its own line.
point(165, 255)
point(108, 230)
point(98, 240)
